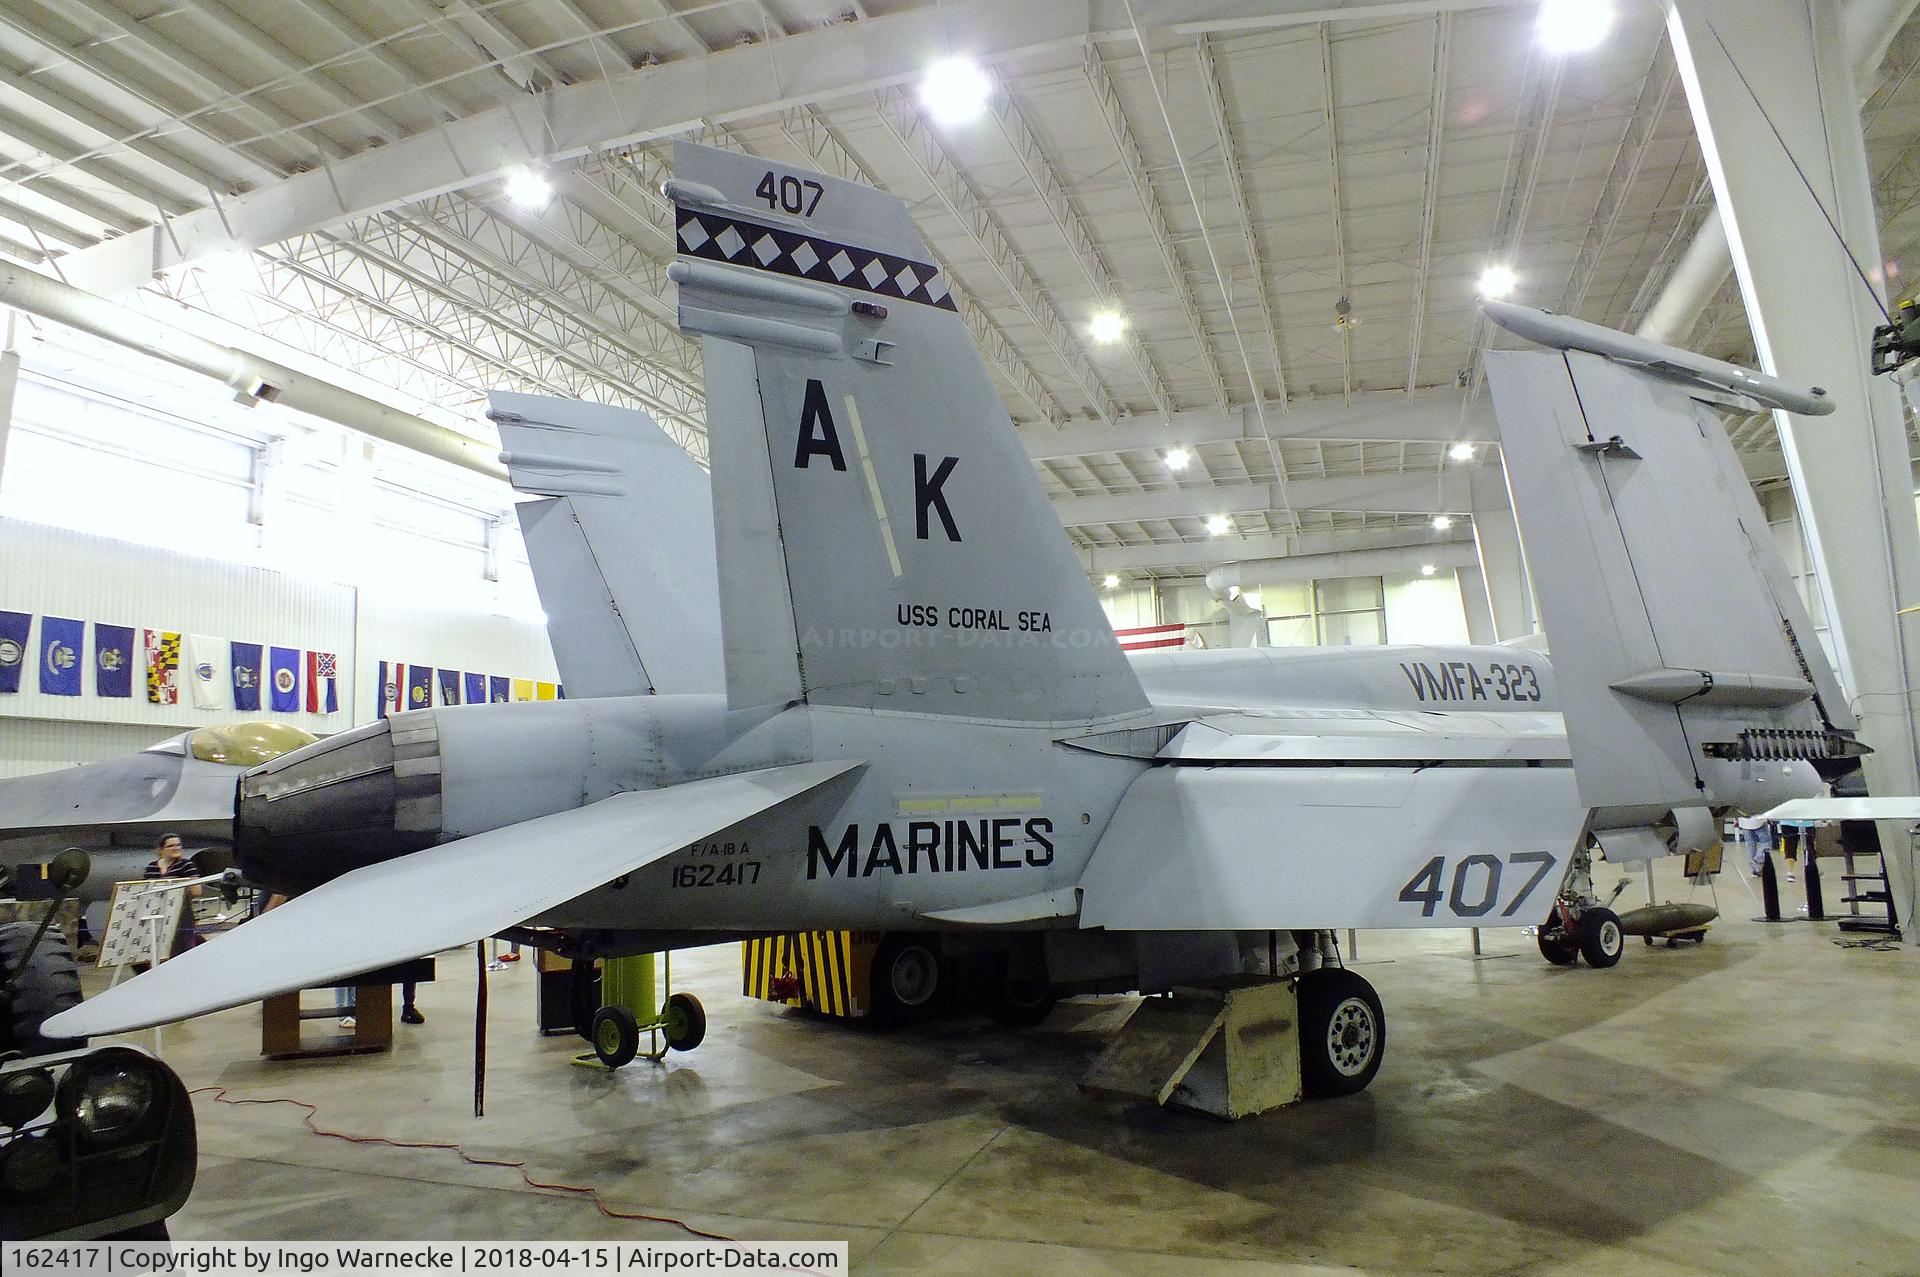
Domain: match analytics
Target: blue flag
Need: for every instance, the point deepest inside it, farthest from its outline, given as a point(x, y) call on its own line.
point(245, 658)
point(449, 687)
point(476, 689)
point(61, 642)
point(13, 648)
point(113, 660)
point(499, 690)
point(419, 686)
point(285, 664)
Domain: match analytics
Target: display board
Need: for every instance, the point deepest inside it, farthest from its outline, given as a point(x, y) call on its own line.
point(141, 921)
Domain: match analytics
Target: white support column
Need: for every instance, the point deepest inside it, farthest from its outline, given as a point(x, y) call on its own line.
point(1473, 601)
point(1503, 568)
point(9, 382)
point(1778, 115)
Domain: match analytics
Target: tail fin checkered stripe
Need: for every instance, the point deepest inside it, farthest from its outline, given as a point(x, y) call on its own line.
point(720, 238)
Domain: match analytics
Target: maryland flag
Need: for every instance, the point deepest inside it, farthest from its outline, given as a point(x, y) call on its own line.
point(163, 663)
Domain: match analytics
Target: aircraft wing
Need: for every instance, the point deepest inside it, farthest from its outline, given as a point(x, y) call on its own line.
point(437, 898)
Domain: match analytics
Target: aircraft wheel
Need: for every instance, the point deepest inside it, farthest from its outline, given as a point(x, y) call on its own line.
point(1018, 998)
point(616, 1036)
point(1601, 941)
point(1343, 1032)
point(49, 984)
point(906, 976)
point(1555, 947)
point(686, 1022)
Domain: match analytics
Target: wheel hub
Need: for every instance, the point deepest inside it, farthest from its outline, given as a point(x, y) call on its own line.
point(1350, 1037)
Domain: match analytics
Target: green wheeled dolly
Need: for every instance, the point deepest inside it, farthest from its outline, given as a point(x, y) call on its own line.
point(630, 1005)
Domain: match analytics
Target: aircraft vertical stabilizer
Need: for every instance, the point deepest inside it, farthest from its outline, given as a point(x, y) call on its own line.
point(865, 470)
point(621, 544)
point(1686, 664)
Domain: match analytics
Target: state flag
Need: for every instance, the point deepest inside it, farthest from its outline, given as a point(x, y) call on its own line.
point(113, 660)
point(476, 689)
point(162, 651)
point(392, 678)
point(522, 689)
point(61, 642)
point(499, 689)
point(323, 683)
point(284, 664)
point(546, 691)
point(14, 628)
point(245, 660)
point(419, 686)
point(209, 673)
point(449, 687)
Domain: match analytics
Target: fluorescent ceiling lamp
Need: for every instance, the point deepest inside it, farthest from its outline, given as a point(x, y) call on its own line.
point(954, 91)
point(1219, 525)
point(1461, 452)
point(1179, 459)
point(1573, 26)
point(1107, 327)
point(1427, 569)
point(528, 189)
point(1498, 281)
point(1441, 522)
point(1111, 581)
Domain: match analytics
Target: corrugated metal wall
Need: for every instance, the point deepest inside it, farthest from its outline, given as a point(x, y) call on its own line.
point(47, 571)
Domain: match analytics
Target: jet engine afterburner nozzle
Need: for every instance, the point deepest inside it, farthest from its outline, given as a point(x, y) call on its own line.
point(340, 804)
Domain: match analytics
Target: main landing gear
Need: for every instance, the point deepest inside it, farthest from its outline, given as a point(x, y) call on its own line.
point(1579, 926)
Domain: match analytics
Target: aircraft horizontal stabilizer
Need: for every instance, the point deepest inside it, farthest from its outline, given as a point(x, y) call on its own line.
point(437, 898)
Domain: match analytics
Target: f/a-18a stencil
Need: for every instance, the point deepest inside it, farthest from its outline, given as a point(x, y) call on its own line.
point(927, 727)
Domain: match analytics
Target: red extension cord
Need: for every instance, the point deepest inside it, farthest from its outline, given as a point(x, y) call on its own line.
point(219, 1093)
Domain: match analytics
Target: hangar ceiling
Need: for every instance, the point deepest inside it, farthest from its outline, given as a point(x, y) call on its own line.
point(1231, 183)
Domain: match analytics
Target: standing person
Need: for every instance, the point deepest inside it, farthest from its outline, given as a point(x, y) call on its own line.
point(169, 861)
point(1792, 834)
point(1757, 833)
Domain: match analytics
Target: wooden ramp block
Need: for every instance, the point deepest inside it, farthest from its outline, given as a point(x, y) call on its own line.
point(1230, 1050)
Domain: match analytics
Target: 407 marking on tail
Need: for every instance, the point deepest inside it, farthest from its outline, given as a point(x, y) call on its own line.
point(1474, 887)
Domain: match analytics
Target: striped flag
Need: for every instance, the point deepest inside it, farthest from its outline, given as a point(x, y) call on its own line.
point(1148, 638)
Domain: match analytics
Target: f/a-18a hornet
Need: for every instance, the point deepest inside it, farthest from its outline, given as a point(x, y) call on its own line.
point(927, 727)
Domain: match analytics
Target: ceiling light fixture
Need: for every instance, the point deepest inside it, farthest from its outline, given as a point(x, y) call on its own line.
point(1460, 452)
point(1107, 327)
point(955, 91)
point(1219, 525)
point(1498, 281)
point(1573, 26)
point(1427, 569)
point(1179, 459)
point(528, 189)
point(1111, 581)
point(1441, 522)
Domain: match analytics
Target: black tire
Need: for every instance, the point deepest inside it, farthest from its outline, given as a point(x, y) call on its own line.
point(906, 978)
point(49, 985)
point(616, 1036)
point(1016, 997)
point(1554, 944)
point(1343, 1032)
point(686, 1022)
point(583, 995)
point(1601, 940)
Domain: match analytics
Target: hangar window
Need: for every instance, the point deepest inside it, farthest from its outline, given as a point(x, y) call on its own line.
point(1350, 610)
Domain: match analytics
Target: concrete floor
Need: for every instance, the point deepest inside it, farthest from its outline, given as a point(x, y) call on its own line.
point(1749, 1106)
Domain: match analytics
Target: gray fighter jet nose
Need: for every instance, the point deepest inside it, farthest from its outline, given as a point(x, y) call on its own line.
point(340, 804)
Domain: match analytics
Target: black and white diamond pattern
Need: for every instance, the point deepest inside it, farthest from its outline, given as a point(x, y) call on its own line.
point(720, 238)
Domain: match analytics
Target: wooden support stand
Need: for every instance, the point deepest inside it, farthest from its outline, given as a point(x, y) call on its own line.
point(1231, 1049)
point(281, 1016)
